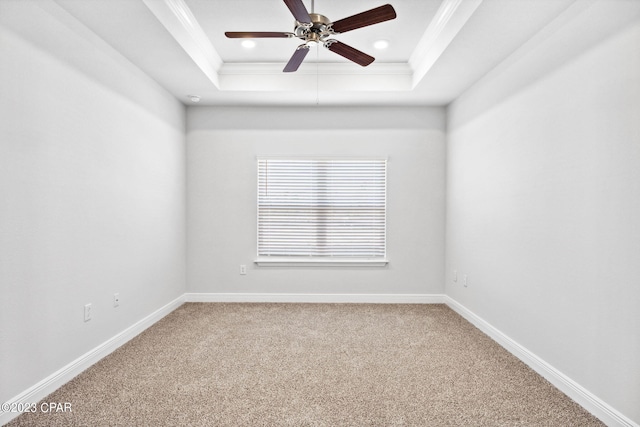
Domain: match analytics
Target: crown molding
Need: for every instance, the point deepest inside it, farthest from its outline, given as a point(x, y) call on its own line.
point(324, 76)
point(323, 68)
point(445, 25)
point(180, 22)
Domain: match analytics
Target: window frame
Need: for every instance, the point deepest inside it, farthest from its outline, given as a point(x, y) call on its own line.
point(320, 261)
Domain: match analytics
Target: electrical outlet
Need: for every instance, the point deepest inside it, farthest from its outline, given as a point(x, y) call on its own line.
point(243, 269)
point(87, 312)
point(116, 299)
point(464, 280)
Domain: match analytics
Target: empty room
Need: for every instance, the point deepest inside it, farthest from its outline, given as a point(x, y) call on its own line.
point(320, 212)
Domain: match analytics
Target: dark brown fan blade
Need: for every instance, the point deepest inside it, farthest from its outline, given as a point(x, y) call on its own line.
point(364, 19)
point(296, 59)
point(350, 53)
point(256, 34)
point(298, 10)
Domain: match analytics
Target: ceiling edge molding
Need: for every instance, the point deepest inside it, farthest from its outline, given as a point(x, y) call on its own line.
point(445, 25)
point(180, 22)
point(327, 76)
point(282, 82)
point(323, 68)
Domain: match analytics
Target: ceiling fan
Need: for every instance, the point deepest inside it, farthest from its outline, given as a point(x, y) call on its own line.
point(315, 28)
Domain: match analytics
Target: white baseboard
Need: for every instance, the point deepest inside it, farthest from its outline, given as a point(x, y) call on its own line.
point(317, 298)
point(575, 391)
point(56, 380)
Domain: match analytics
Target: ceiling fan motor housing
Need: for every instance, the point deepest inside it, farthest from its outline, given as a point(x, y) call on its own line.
point(317, 31)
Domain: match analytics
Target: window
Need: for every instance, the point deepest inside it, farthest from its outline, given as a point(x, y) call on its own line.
point(329, 211)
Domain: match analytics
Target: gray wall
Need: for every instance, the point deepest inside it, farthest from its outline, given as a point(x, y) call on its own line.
point(92, 202)
point(222, 146)
point(543, 211)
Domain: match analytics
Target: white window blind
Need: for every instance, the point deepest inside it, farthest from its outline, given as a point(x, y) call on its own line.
point(322, 208)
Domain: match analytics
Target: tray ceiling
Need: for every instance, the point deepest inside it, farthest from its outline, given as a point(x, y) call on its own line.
point(437, 48)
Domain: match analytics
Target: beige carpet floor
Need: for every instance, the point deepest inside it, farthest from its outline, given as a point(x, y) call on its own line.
point(211, 364)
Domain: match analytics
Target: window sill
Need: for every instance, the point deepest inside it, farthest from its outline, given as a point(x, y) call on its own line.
point(319, 262)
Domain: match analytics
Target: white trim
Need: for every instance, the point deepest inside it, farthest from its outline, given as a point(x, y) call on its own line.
point(56, 380)
point(180, 22)
point(385, 77)
point(443, 28)
point(575, 391)
point(319, 262)
point(317, 298)
point(339, 77)
point(327, 158)
point(324, 68)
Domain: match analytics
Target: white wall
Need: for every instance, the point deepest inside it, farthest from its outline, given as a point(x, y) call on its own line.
point(543, 211)
point(222, 145)
point(92, 202)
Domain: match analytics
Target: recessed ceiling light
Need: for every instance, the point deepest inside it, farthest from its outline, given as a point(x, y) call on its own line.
point(248, 44)
point(381, 44)
point(194, 98)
